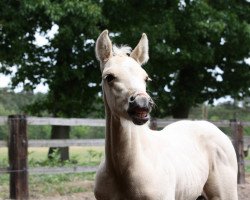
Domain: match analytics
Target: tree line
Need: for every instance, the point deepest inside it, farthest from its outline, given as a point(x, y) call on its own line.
point(12, 103)
point(18, 103)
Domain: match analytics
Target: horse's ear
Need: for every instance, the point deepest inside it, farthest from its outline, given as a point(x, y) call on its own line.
point(140, 53)
point(103, 48)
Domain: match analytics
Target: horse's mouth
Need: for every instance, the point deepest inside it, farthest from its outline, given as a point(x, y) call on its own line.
point(139, 115)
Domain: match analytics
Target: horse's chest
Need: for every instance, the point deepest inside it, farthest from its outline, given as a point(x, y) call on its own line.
point(142, 193)
point(141, 186)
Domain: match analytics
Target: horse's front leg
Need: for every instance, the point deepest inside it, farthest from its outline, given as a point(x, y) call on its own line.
point(105, 187)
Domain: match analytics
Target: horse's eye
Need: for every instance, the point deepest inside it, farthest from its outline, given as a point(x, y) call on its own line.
point(110, 78)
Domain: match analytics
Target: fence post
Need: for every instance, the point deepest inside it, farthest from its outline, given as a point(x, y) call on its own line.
point(18, 151)
point(238, 142)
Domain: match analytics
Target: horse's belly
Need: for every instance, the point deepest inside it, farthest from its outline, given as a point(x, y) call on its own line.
point(190, 185)
point(188, 194)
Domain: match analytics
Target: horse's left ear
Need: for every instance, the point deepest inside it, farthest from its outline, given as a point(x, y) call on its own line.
point(140, 53)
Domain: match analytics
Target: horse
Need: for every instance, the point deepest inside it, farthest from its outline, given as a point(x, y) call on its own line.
point(180, 162)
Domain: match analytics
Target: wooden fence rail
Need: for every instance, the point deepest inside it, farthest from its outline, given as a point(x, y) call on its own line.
point(100, 122)
point(18, 145)
point(61, 143)
point(54, 170)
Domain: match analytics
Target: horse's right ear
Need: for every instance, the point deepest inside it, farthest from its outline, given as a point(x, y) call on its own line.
point(140, 53)
point(103, 47)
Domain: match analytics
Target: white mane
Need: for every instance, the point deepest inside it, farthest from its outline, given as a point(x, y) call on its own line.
point(122, 50)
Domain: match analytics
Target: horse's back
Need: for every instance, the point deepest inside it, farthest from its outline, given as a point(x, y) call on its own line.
point(204, 135)
point(209, 148)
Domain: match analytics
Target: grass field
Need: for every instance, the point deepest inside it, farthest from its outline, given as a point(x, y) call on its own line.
point(41, 186)
point(78, 155)
point(49, 185)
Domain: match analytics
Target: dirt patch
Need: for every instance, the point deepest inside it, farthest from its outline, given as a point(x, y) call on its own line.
point(243, 190)
point(77, 196)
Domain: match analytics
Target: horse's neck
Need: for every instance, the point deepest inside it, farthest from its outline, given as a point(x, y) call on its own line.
point(123, 142)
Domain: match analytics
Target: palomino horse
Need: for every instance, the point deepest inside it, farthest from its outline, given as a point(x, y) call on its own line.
point(182, 161)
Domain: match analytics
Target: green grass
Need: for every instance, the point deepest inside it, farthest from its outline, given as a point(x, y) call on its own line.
point(60, 184)
point(247, 167)
point(52, 185)
point(63, 184)
point(78, 156)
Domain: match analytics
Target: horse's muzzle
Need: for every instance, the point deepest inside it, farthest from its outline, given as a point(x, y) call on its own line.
point(140, 106)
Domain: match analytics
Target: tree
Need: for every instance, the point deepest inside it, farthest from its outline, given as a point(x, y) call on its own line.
point(66, 63)
point(197, 48)
point(194, 45)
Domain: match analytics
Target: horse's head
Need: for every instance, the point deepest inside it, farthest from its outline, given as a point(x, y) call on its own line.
point(124, 80)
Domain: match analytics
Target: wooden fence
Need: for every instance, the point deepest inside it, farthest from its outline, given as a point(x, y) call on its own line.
point(18, 144)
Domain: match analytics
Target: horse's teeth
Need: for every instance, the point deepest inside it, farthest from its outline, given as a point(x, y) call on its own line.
point(141, 114)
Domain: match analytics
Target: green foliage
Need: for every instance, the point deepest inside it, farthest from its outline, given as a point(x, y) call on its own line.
point(44, 186)
point(90, 157)
point(227, 112)
point(19, 103)
point(16, 103)
point(59, 184)
point(93, 157)
point(13, 103)
point(43, 132)
point(67, 63)
point(79, 156)
point(194, 45)
point(4, 111)
point(76, 132)
point(39, 132)
point(223, 111)
point(87, 132)
point(3, 132)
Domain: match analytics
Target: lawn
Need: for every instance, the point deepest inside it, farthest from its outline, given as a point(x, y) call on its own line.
point(41, 186)
point(50, 185)
point(78, 155)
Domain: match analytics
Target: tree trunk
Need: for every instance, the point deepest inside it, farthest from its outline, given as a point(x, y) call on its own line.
point(185, 92)
point(180, 111)
point(60, 132)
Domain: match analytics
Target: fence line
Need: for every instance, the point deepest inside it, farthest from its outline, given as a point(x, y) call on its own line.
point(101, 122)
point(160, 123)
point(52, 170)
point(61, 143)
point(80, 142)
point(59, 121)
point(65, 122)
point(18, 145)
